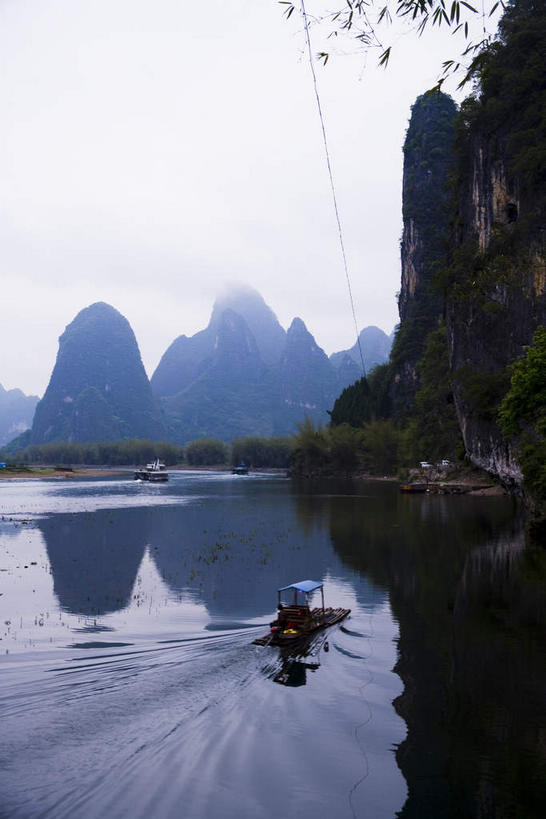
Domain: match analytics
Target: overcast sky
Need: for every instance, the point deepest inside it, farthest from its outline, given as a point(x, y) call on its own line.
point(152, 151)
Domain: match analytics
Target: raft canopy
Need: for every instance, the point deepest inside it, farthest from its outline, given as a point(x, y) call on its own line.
point(306, 586)
point(299, 594)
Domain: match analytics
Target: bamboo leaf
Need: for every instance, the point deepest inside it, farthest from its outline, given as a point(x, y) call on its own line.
point(384, 59)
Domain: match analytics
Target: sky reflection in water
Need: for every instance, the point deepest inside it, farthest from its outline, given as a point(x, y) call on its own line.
point(130, 685)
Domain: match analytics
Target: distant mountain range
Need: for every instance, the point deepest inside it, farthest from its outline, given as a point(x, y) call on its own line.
point(16, 413)
point(245, 375)
point(242, 375)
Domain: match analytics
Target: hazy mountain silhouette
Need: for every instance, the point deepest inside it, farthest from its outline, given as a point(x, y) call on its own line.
point(261, 320)
point(244, 375)
point(98, 390)
point(231, 389)
point(188, 358)
point(308, 381)
point(16, 413)
point(376, 346)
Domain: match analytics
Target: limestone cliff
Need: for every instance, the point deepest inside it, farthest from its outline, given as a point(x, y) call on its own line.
point(428, 161)
point(496, 288)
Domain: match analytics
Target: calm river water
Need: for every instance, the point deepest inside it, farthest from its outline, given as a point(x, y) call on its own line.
point(129, 685)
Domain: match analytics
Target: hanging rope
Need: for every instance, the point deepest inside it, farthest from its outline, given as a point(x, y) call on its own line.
point(331, 176)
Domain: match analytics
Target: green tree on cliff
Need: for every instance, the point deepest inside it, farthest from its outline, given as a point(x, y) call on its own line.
point(522, 415)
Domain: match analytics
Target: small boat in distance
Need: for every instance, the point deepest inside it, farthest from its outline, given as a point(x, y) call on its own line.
point(155, 472)
point(296, 620)
point(241, 469)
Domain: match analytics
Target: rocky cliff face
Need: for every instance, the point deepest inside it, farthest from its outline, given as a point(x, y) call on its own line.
point(16, 413)
point(98, 390)
point(428, 161)
point(497, 286)
point(492, 316)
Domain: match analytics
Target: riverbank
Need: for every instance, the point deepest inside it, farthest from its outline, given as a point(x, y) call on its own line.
point(453, 480)
point(37, 472)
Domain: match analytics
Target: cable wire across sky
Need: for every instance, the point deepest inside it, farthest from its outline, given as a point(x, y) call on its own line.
point(331, 177)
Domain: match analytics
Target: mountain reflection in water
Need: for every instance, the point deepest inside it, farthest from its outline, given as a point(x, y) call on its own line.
point(470, 600)
point(131, 686)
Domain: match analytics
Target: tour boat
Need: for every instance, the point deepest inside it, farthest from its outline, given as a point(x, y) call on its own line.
point(296, 620)
point(155, 472)
point(241, 469)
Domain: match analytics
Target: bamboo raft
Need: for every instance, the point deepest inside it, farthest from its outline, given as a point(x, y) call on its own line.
point(320, 620)
point(296, 621)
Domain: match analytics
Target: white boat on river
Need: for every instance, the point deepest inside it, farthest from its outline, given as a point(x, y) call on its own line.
point(155, 472)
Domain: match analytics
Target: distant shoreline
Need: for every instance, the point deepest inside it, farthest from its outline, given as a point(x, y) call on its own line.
point(46, 472)
point(459, 483)
point(34, 472)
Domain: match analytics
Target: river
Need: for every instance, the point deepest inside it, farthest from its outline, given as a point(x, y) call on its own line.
point(130, 686)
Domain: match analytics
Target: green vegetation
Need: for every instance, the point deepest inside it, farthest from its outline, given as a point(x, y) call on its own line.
point(432, 432)
point(343, 449)
point(522, 416)
point(513, 86)
point(15, 467)
point(207, 452)
point(381, 447)
point(482, 391)
point(429, 431)
point(254, 451)
point(110, 453)
point(365, 400)
point(262, 452)
point(311, 454)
